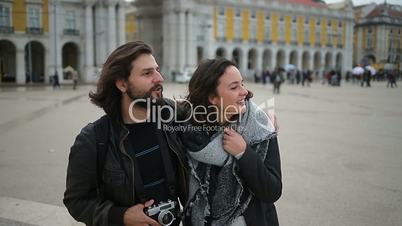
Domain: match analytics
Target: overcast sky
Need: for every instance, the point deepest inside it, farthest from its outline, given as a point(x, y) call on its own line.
point(360, 2)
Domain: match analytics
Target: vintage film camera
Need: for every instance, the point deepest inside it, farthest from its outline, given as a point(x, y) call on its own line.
point(164, 212)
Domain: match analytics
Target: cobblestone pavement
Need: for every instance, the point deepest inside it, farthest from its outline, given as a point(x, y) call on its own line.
point(340, 149)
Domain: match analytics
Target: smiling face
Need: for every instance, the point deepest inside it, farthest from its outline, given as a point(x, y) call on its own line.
point(230, 94)
point(145, 80)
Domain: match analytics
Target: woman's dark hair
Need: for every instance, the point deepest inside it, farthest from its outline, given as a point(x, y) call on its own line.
point(204, 82)
point(117, 66)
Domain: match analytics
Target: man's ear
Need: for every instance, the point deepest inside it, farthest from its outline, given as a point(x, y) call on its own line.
point(121, 84)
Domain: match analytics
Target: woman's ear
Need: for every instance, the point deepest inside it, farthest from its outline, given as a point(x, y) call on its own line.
point(121, 84)
point(213, 99)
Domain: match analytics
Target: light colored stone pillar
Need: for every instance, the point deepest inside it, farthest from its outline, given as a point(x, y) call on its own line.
point(89, 45)
point(299, 63)
point(121, 25)
point(111, 31)
point(21, 66)
point(181, 41)
point(191, 42)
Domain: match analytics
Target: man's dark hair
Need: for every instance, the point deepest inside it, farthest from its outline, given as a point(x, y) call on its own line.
point(204, 82)
point(117, 66)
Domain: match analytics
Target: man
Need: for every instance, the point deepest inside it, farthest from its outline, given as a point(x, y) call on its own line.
point(142, 165)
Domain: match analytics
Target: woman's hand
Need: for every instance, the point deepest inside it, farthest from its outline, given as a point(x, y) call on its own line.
point(233, 142)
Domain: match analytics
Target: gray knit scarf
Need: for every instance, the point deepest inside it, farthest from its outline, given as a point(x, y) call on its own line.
point(232, 196)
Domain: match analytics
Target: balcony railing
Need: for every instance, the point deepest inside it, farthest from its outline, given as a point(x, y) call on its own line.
point(6, 29)
point(237, 40)
point(306, 43)
point(69, 31)
point(329, 45)
point(34, 30)
point(267, 41)
point(221, 39)
point(281, 42)
point(340, 46)
point(252, 40)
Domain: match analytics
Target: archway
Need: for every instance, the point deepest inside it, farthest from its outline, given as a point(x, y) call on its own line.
point(328, 61)
point(251, 62)
point(293, 58)
point(236, 57)
point(70, 57)
point(34, 62)
point(267, 60)
point(280, 58)
point(7, 61)
point(220, 52)
point(338, 65)
point(306, 61)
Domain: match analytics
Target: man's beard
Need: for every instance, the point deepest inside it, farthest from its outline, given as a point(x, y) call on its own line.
point(143, 96)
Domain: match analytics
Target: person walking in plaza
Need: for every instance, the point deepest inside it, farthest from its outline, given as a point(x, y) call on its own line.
point(234, 161)
point(123, 169)
point(366, 78)
point(56, 83)
point(391, 80)
point(277, 79)
point(74, 77)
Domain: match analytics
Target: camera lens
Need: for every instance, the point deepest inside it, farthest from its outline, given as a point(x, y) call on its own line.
point(165, 218)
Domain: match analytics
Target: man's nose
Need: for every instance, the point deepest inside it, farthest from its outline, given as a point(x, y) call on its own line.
point(159, 78)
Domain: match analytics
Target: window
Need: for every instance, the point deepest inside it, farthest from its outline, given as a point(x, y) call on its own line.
point(306, 20)
point(238, 12)
point(267, 17)
point(221, 11)
point(34, 16)
point(70, 20)
point(318, 21)
point(5, 17)
point(253, 14)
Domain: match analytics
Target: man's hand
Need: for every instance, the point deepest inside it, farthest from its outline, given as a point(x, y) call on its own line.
point(233, 142)
point(135, 216)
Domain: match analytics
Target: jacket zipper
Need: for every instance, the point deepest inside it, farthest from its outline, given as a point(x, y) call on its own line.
point(131, 160)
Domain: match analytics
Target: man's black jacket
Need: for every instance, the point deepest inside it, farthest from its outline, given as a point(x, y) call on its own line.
point(105, 204)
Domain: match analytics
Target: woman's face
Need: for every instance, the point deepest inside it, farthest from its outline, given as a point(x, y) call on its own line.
point(230, 94)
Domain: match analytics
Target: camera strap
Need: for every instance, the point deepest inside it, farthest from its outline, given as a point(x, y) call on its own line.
point(168, 170)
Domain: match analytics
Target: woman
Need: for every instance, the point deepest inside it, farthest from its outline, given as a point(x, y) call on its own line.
point(233, 151)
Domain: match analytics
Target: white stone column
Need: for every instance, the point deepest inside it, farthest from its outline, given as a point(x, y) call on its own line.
point(89, 45)
point(121, 25)
point(191, 42)
point(258, 61)
point(21, 66)
point(273, 59)
point(111, 28)
point(181, 40)
point(311, 62)
point(299, 63)
point(243, 62)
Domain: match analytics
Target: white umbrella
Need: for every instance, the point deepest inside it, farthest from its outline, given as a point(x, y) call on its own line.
point(358, 70)
point(68, 69)
point(372, 70)
point(289, 67)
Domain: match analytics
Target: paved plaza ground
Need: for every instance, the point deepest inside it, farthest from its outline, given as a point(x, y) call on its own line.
point(341, 152)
